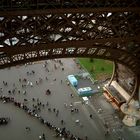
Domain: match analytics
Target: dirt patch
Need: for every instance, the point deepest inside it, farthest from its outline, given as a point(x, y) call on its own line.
point(102, 76)
point(108, 62)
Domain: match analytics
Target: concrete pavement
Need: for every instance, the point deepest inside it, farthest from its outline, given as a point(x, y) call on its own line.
point(60, 94)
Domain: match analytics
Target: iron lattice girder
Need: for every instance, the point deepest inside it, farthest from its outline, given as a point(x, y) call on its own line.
point(19, 12)
point(59, 4)
point(69, 26)
point(66, 49)
point(109, 29)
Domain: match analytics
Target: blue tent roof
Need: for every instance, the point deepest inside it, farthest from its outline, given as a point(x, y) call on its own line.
point(72, 80)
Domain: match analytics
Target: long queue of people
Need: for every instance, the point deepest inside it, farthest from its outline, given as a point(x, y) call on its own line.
point(37, 105)
point(59, 132)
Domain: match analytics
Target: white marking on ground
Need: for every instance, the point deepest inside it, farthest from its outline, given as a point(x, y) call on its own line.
point(78, 102)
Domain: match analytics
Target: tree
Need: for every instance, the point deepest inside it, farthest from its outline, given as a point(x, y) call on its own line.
point(91, 60)
point(102, 68)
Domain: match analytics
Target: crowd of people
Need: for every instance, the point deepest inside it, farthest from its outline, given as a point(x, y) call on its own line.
point(37, 104)
point(59, 132)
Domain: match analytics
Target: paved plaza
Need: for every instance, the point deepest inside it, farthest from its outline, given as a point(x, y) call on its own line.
point(29, 84)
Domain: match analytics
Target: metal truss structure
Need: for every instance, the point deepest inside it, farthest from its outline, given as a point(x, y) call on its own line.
point(33, 30)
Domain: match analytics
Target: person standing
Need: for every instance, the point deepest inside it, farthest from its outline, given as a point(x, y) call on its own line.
point(91, 116)
point(43, 136)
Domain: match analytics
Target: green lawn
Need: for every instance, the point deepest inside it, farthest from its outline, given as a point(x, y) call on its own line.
point(99, 68)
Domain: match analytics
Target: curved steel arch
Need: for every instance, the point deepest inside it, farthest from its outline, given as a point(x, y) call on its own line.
point(66, 49)
point(98, 28)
